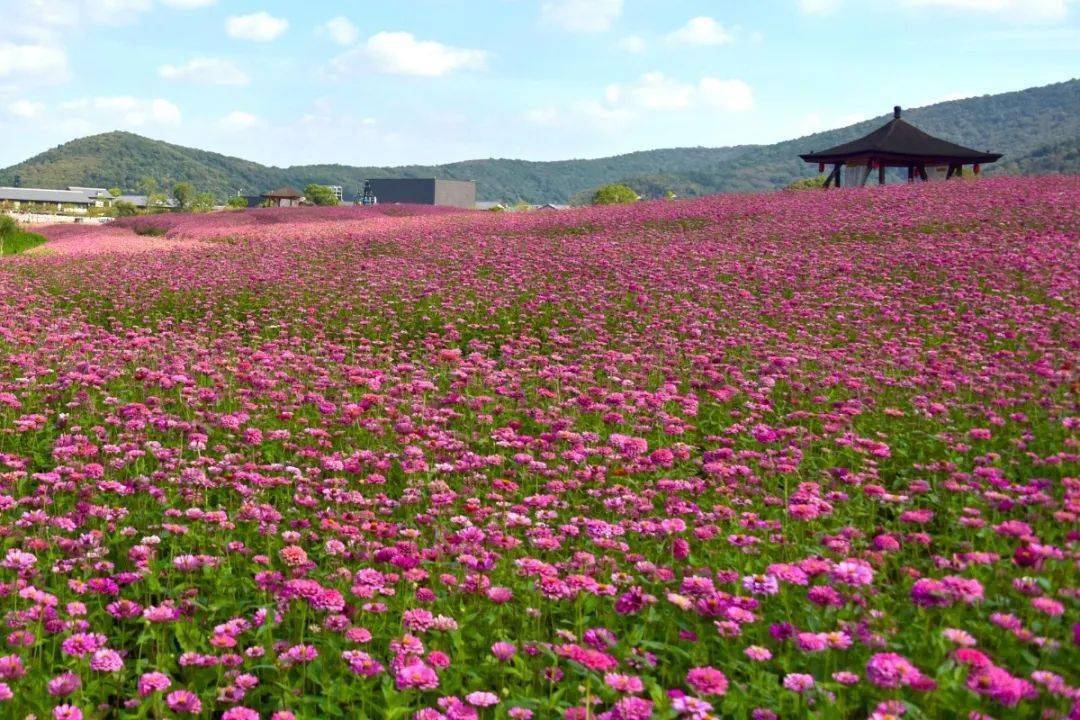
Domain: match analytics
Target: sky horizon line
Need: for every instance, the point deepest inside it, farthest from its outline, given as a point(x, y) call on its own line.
point(558, 160)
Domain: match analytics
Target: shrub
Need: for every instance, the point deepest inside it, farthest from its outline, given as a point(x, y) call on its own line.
point(807, 183)
point(614, 194)
point(320, 194)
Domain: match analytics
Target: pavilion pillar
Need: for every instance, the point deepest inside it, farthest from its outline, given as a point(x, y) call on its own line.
point(911, 173)
point(881, 174)
point(836, 169)
point(922, 173)
point(833, 175)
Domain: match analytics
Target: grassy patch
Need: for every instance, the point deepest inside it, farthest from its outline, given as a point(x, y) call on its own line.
point(14, 240)
point(150, 230)
point(683, 224)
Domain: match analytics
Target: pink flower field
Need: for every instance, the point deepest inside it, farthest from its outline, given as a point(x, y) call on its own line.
point(796, 455)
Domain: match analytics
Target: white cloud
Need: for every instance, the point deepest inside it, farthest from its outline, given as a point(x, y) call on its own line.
point(655, 91)
point(257, 27)
point(38, 62)
point(701, 30)
point(399, 53)
point(341, 30)
point(237, 121)
point(126, 111)
point(652, 94)
point(632, 44)
point(28, 109)
point(734, 95)
point(205, 71)
point(582, 15)
point(188, 4)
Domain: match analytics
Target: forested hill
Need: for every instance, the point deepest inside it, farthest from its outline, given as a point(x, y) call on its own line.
point(1037, 129)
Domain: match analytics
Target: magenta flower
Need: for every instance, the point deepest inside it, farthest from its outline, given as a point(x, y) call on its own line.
point(67, 712)
point(184, 701)
point(416, 676)
point(707, 681)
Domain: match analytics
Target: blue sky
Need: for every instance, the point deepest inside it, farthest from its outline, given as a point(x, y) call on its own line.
point(285, 82)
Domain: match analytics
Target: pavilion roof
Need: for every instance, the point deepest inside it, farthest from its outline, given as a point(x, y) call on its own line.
point(898, 140)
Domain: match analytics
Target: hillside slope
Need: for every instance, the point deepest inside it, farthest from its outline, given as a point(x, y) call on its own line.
point(1037, 129)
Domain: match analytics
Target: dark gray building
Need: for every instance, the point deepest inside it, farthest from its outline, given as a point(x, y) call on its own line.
point(423, 191)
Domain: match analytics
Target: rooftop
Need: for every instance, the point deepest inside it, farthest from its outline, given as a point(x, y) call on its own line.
point(900, 141)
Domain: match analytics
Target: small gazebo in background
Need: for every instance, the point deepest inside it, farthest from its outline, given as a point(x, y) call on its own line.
point(898, 143)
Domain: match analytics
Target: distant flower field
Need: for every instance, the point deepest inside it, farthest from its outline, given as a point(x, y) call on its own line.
point(796, 455)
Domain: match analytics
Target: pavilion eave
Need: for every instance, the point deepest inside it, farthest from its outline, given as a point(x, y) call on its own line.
point(900, 159)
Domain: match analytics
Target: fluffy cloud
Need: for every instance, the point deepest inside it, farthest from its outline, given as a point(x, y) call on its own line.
point(205, 71)
point(655, 91)
point(127, 111)
point(238, 121)
point(582, 15)
point(38, 62)
point(257, 27)
point(399, 53)
point(653, 94)
point(341, 30)
point(632, 44)
point(28, 109)
point(701, 30)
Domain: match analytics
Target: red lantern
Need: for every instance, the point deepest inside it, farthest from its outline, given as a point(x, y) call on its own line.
point(821, 167)
point(976, 169)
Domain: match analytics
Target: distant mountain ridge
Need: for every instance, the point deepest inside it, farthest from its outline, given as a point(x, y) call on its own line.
point(1038, 130)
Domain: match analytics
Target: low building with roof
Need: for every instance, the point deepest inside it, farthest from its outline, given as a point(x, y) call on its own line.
point(283, 197)
point(69, 200)
point(900, 144)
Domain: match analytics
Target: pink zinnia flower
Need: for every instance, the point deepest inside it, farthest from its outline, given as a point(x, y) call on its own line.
point(707, 681)
point(67, 712)
point(153, 682)
point(798, 682)
point(418, 676)
point(106, 660)
point(184, 701)
point(240, 713)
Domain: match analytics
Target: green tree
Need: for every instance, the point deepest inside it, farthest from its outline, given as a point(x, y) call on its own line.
point(614, 194)
point(149, 187)
point(123, 208)
point(237, 203)
point(320, 194)
point(202, 202)
point(116, 192)
point(183, 193)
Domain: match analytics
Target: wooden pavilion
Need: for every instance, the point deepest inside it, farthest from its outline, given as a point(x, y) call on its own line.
point(898, 143)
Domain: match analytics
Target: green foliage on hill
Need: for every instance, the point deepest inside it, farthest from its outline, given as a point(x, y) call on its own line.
point(1037, 129)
